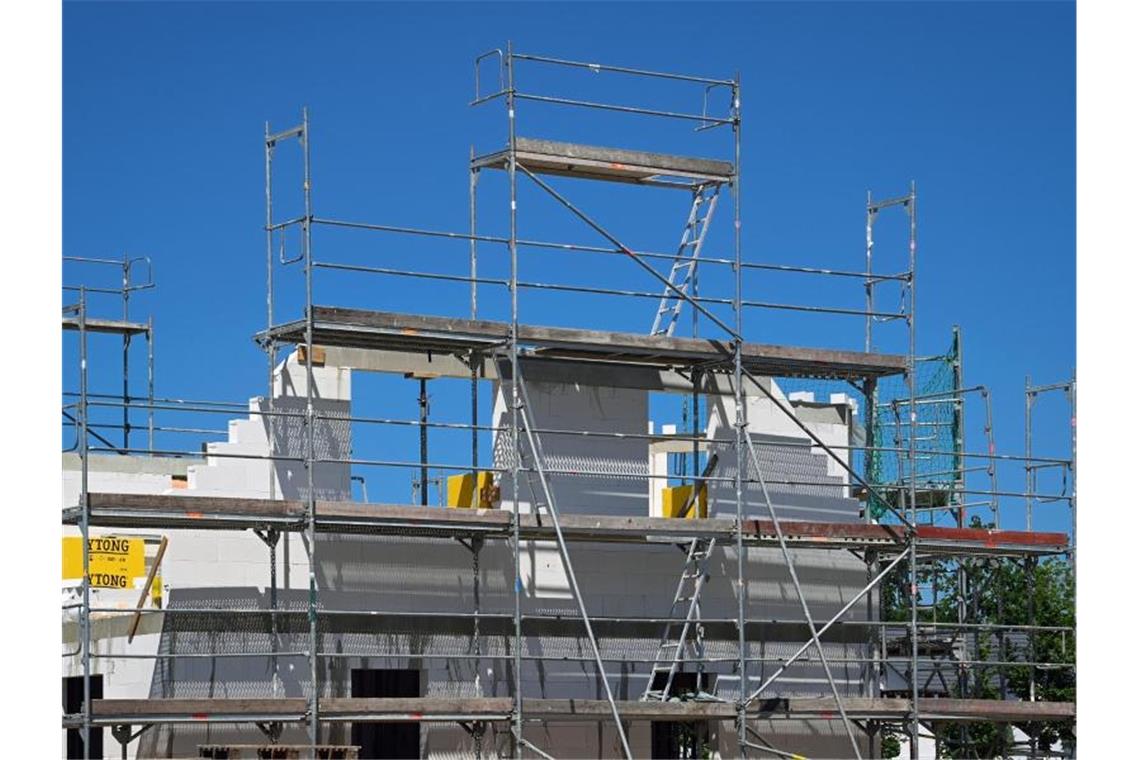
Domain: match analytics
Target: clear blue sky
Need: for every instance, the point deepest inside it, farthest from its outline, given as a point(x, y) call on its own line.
point(164, 107)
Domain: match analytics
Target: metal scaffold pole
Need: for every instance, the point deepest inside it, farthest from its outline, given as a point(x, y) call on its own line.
point(84, 524)
point(126, 355)
point(740, 426)
point(474, 357)
point(270, 346)
point(869, 283)
point(870, 454)
point(958, 495)
point(913, 474)
point(1073, 471)
point(1029, 399)
point(516, 447)
point(310, 442)
point(150, 384)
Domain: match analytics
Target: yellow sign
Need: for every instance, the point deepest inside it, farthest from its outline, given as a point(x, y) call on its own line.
point(114, 561)
point(156, 590)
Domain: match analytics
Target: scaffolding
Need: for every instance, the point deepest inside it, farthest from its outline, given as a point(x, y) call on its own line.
point(513, 353)
point(121, 325)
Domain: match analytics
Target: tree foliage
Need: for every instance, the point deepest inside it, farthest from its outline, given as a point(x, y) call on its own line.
point(1010, 592)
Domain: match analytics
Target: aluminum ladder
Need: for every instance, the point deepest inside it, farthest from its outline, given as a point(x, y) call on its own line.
point(694, 576)
point(684, 267)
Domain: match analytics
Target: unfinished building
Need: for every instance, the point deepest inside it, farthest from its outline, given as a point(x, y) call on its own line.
point(603, 579)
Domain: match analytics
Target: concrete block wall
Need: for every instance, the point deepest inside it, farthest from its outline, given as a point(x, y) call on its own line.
point(219, 569)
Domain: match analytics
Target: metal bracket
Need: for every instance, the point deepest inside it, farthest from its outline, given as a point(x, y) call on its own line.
point(272, 730)
point(123, 735)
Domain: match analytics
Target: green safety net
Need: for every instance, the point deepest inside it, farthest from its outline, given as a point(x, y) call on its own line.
point(937, 428)
point(937, 433)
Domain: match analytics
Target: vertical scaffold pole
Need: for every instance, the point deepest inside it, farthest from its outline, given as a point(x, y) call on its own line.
point(738, 392)
point(84, 525)
point(959, 434)
point(423, 404)
point(270, 345)
point(958, 426)
point(869, 283)
point(150, 384)
point(1029, 399)
point(870, 395)
point(310, 439)
point(514, 354)
point(991, 466)
point(912, 487)
point(126, 356)
point(475, 358)
point(1073, 472)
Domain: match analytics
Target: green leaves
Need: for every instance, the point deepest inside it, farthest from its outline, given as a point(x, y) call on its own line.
point(1004, 593)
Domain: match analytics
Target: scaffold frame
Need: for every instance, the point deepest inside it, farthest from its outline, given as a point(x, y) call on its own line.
point(507, 352)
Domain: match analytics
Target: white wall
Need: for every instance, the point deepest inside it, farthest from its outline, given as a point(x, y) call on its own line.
point(385, 574)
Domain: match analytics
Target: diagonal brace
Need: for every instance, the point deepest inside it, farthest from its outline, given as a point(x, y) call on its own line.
point(536, 450)
point(800, 593)
point(834, 619)
point(830, 452)
point(531, 746)
point(766, 746)
point(627, 251)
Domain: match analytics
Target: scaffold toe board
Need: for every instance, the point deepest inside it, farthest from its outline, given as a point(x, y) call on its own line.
point(199, 512)
point(445, 709)
point(611, 164)
point(417, 333)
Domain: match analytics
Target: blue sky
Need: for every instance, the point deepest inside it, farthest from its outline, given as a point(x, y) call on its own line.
point(164, 107)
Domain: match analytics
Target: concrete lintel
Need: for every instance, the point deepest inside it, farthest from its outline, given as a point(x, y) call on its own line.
point(594, 374)
point(131, 465)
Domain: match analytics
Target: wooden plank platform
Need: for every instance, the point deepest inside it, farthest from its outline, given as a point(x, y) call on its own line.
point(417, 333)
point(289, 751)
point(445, 709)
point(609, 164)
point(111, 326)
point(208, 512)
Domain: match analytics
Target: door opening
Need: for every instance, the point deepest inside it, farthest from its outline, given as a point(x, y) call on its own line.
point(73, 703)
point(680, 739)
point(386, 740)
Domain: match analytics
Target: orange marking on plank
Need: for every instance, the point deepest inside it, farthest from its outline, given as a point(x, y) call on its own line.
point(194, 515)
